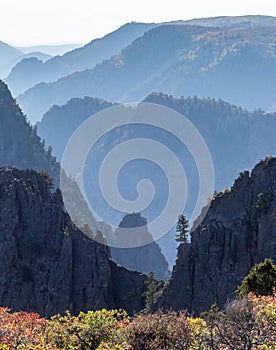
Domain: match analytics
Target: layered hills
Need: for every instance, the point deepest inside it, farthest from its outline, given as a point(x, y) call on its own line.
point(29, 72)
point(7, 53)
point(10, 56)
point(236, 64)
point(236, 139)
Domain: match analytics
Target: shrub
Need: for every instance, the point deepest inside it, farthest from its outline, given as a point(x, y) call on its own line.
point(263, 204)
point(48, 179)
point(21, 330)
point(85, 331)
point(243, 325)
point(160, 331)
point(261, 280)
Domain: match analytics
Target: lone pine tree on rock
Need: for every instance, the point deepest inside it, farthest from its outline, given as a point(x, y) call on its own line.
point(182, 229)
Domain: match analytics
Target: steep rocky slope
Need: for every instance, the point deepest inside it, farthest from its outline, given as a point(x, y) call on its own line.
point(238, 231)
point(19, 144)
point(147, 258)
point(47, 264)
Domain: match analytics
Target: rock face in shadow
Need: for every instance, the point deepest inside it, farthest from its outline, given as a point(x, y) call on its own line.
point(47, 264)
point(19, 144)
point(238, 231)
point(147, 258)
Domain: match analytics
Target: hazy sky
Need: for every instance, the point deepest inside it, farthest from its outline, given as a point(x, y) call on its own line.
point(24, 22)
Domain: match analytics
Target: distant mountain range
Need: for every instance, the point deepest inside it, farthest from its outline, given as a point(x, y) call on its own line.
point(7, 53)
point(233, 63)
point(51, 50)
point(236, 138)
point(26, 74)
point(10, 56)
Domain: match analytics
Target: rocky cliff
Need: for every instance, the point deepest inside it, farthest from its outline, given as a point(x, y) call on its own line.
point(238, 231)
point(47, 264)
point(147, 258)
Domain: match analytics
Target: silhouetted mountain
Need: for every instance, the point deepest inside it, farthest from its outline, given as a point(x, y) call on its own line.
point(26, 74)
point(52, 50)
point(226, 128)
point(7, 53)
point(238, 232)
point(236, 64)
point(147, 258)
point(10, 56)
point(19, 144)
point(47, 264)
point(60, 122)
point(236, 139)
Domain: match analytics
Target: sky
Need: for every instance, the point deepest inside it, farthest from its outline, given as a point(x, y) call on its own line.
point(32, 22)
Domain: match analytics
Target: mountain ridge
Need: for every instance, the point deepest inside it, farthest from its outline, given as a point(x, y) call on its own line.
point(178, 60)
point(20, 146)
point(24, 76)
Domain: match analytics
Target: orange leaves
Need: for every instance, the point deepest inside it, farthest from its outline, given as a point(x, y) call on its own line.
point(245, 323)
point(21, 330)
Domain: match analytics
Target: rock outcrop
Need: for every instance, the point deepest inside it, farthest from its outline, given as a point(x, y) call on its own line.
point(47, 264)
point(238, 231)
point(147, 258)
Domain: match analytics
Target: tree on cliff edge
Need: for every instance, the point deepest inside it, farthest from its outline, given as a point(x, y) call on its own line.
point(182, 229)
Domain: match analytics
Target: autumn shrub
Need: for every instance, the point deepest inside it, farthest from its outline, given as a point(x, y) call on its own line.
point(21, 330)
point(85, 331)
point(159, 331)
point(248, 323)
point(245, 324)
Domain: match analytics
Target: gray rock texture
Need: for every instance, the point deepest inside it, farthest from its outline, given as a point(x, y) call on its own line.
point(47, 264)
point(238, 231)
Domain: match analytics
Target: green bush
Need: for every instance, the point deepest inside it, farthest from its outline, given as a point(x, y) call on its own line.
point(261, 280)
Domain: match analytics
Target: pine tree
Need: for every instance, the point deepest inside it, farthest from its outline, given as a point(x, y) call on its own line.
point(151, 292)
point(182, 229)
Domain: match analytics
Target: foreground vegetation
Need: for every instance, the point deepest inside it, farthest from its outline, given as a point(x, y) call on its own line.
point(246, 323)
